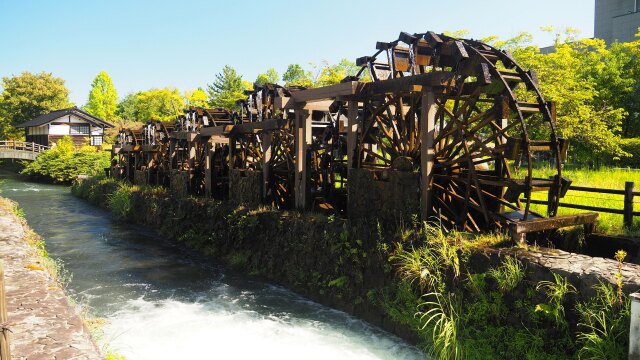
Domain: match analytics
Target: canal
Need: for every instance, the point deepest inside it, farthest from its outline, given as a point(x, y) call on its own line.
point(163, 301)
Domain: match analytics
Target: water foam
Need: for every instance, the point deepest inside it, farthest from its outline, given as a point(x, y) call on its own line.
point(144, 330)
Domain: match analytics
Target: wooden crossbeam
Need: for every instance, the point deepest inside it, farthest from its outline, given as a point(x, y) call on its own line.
point(256, 127)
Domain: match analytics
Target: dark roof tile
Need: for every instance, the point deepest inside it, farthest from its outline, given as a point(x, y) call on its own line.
point(43, 119)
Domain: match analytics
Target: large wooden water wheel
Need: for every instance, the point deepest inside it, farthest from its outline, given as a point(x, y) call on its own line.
point(490, 118)
point(276, 132)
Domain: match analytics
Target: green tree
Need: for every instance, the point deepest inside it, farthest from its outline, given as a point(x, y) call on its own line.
point(159, 104)
point(333, 74)
point(573, 76)
point(270, 77)
point(226, 89)
point(102, 97)
point(27, 96)
point(197, 97)
point(297, 76)
point(128, 107)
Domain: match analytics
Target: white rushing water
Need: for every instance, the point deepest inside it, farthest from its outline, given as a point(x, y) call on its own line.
point(163, 302)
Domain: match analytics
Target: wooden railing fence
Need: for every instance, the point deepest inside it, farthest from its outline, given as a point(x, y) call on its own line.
point(627, 211)
point(22, 145)
point(5, 350)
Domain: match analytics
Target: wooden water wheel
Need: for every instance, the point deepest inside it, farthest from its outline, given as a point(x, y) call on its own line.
point(489, 117)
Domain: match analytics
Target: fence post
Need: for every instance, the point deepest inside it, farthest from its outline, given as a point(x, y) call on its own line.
point(5, 349)
point(634, 331)
point(628, 203)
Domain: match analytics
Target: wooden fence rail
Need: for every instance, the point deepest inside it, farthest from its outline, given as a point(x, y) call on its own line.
point(22, 145)
point(627, 211)
point(5, 351)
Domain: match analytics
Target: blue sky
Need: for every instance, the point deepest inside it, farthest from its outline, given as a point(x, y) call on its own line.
point(144, 44)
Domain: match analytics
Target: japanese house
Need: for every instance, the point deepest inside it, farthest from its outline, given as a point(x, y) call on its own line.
point(83, 128)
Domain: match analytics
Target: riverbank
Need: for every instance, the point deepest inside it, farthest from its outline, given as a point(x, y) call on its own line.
point(496, 300)
point(43, 323)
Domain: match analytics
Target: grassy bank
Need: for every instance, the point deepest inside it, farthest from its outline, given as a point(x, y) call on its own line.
point(439, 290)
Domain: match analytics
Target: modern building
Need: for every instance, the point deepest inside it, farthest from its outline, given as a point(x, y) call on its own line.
point(83, 128)
point(616, 20)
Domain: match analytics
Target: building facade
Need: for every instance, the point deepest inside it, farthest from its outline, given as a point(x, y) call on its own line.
point(616, 20)
point(83, 128)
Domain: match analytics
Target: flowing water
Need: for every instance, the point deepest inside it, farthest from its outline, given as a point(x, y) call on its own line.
point(164, 302)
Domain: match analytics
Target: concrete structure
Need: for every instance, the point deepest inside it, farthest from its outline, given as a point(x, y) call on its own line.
point(83, 128)
point(616, 20)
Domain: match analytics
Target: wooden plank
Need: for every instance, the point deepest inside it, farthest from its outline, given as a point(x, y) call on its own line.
point(552, 223)
point(326, 92)
point(320, 105)
point(302, 142)
point(216, 130)
point(352, 133)
point(207, 171)
point(596, 190)
point(427, 150)
point(267, 153)
point(405, 84)
point(580, 207)
point(255, 127)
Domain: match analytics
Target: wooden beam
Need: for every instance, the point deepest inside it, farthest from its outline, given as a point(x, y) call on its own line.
point(427, 150)
point(207, 170)
point(302, 141)
point(256, 127)
point(352, 133)
point(216, 130)
point(267, 153)
point(326, 92)
point(288, 103)
point(406, 84)
point(557, 222)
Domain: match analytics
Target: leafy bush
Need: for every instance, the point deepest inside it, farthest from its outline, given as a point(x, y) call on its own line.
point(63, 163)
point(631, 146)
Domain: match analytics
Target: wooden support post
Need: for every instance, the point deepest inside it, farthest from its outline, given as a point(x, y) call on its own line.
point(427, 150)
point(303, 139)
point(232, 151)
point(5, 348)
point(267, 153)
point(628, 203)
point(634, 330)
point(207, 170)
point(502, 116)
point(352, 133)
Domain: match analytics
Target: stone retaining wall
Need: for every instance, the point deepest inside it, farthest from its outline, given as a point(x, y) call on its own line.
point(43, 323)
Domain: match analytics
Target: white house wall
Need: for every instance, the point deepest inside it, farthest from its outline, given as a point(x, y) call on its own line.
point(60, 126)
point(38, 130)
point(62, 129)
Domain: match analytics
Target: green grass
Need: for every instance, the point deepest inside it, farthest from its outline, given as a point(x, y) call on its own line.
point(605, 178)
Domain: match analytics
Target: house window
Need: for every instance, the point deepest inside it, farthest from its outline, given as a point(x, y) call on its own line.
point(96, 140)
point(79, 130)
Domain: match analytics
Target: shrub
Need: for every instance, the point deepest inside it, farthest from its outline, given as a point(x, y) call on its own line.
point(63, 163)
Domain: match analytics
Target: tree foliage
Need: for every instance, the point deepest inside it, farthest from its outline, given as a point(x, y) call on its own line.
point(154, 104)
point(295, 75)
point(581, 77)
point(64, 162)
point(226, 89)
point(269, 77)
point(197, 97)
point(103, 99)
point(27, 96)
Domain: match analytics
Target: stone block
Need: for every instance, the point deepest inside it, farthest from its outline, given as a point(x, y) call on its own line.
point(245, 187)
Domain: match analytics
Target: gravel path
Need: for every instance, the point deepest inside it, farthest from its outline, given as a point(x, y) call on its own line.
point(44, 324)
